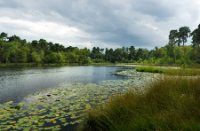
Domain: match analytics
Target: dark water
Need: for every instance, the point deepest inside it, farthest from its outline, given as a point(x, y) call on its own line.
point(15, 84)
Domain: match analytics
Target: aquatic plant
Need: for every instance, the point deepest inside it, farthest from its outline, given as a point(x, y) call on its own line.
point(65, 106)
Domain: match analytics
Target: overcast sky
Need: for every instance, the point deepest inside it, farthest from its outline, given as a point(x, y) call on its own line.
point(104, 23)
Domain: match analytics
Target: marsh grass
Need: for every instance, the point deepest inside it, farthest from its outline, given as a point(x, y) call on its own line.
point(172, 103)
point(170, 71)
point(149, 69)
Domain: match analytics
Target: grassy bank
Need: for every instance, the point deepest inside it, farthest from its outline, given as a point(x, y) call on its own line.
point(170, 71)
point(168, 104)
point(22, 65)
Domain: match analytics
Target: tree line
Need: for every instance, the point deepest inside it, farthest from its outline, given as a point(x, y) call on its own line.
point(13, 49)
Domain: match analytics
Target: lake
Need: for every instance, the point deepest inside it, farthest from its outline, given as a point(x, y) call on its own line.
point(59, 98)
point(15, 84)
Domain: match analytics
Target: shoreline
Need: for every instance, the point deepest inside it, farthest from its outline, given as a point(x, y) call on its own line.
point(30, 65)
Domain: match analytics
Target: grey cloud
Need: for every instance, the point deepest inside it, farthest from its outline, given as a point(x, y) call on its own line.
point(143, 23)
point(160, 9)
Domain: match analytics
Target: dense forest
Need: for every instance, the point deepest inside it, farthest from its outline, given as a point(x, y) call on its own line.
point(13, 49)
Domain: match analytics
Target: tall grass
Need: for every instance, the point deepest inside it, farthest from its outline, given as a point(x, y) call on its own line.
point(173, 103)
point(170, 71)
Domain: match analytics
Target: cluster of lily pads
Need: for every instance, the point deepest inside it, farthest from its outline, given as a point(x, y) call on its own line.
point(64, 106)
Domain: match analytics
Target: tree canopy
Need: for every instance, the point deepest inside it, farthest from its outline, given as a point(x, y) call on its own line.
point(13, 49)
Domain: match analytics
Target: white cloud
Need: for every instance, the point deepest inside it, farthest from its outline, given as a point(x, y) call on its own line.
point(56, 32)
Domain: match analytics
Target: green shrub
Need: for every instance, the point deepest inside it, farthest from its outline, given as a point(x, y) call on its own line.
point(149, 69)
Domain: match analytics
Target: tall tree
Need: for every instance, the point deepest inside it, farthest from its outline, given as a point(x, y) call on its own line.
point(14, 38)
point(109, 55)
point(173, 37)
point(96, 53)
point(34, 44)
point(132, 53)
point(3, 36)
point(118, 55)
point(43, 44)
point(196, 37)
point(173, 40)
point(184, 34)
point(196, 45)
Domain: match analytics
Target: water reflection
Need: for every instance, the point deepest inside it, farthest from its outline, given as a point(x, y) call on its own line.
point(17, 83)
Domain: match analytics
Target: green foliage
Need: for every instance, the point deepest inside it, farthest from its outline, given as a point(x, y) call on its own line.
point(149, 69)
point(55, 58)
point(195, 55)
point(178, 36)
point(184, 34)
point(13, 49)
point(196, 37)
point(37, 57)
point(172, 103)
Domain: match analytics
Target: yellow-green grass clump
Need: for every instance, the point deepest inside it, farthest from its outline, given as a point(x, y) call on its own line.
point(170, 71)
point(171, 103)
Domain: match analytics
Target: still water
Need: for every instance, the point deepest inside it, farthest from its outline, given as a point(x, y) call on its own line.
point(15, 84)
